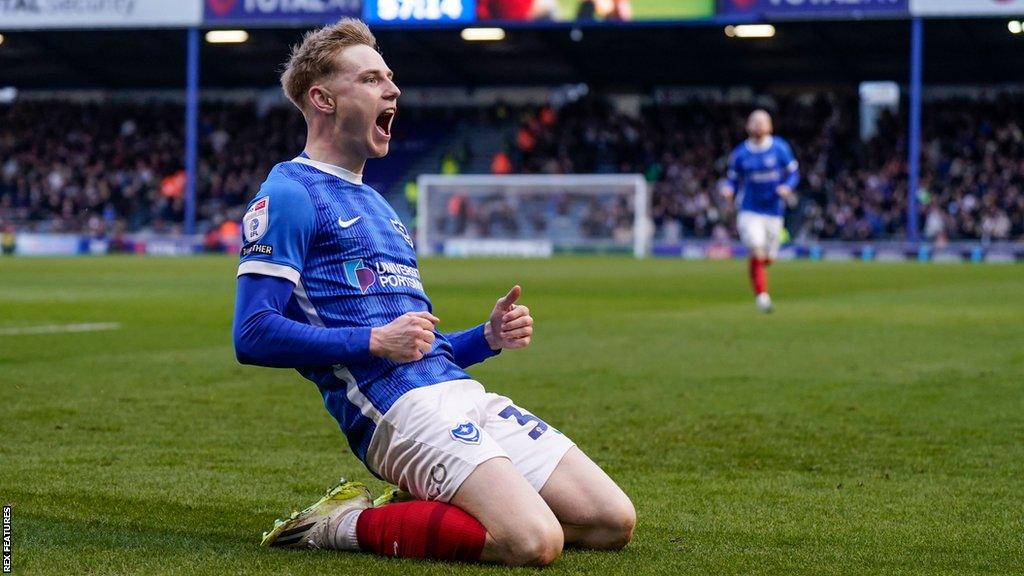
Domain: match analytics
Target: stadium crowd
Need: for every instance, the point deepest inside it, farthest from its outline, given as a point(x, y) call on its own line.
point(105, 168)
point(110, 168)
point(972, 165)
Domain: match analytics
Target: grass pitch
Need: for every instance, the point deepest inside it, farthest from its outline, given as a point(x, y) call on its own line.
point(872, 425)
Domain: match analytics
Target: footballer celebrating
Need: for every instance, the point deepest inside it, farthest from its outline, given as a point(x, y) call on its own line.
point(766, 173)
point(328, 284)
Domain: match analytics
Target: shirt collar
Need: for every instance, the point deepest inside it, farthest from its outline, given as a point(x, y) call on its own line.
point(346, 175)
point(755, 148)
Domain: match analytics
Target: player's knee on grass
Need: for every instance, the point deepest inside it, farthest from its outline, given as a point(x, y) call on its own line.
point(535, 543)
point(609, 526)
point(521, 529)
point(617, 522)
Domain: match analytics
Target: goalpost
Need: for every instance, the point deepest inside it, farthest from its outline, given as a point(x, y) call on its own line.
point(532, 215)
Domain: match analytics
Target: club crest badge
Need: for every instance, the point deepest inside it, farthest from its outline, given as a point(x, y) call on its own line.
point(402, 230)
point(466, 433)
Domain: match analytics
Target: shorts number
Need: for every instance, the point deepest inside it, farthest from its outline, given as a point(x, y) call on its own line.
point(523, 419)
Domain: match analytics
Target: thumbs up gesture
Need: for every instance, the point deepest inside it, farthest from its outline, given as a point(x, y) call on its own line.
point(510, 324)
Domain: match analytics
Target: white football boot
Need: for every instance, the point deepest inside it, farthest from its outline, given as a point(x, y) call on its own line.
point(314, 526)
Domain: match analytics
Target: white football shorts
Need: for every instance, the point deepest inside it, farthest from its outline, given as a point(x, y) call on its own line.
point(760, 232)
point(433, 438)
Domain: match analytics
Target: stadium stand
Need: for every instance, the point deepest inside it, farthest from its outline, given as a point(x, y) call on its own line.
point(106, 168)
point(851, 190)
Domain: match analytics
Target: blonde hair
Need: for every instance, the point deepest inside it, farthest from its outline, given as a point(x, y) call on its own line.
point(313, 58)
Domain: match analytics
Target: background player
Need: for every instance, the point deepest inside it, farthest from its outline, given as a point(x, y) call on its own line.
point(764, 169)
point(328, 284)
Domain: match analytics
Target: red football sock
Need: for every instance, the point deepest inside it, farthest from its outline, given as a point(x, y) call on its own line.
point(758, 276)
point(421, 529)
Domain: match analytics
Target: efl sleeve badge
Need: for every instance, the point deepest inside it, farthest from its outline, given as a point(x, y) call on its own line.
point(254, 224)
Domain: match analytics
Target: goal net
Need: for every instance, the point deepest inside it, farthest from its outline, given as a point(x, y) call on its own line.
point(532, 215)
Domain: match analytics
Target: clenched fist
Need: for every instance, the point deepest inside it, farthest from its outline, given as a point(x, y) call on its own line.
point(406, 338)
point(510, 324)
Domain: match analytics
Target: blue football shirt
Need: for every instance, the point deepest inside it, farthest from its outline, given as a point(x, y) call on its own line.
point(756, 172)
point(353, 265)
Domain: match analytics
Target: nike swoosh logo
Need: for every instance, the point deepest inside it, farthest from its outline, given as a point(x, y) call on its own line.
point(348, 223)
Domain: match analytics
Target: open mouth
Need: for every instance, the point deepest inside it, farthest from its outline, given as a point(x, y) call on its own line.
point(384, 120)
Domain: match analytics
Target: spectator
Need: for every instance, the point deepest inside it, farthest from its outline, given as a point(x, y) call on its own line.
point(500, 163)
point(105, 169)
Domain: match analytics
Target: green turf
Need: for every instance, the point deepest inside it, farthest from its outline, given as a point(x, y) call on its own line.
point(651, 9)
point(873, 425)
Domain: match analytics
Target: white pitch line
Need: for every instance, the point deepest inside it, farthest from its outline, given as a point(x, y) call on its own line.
point(60, 328)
